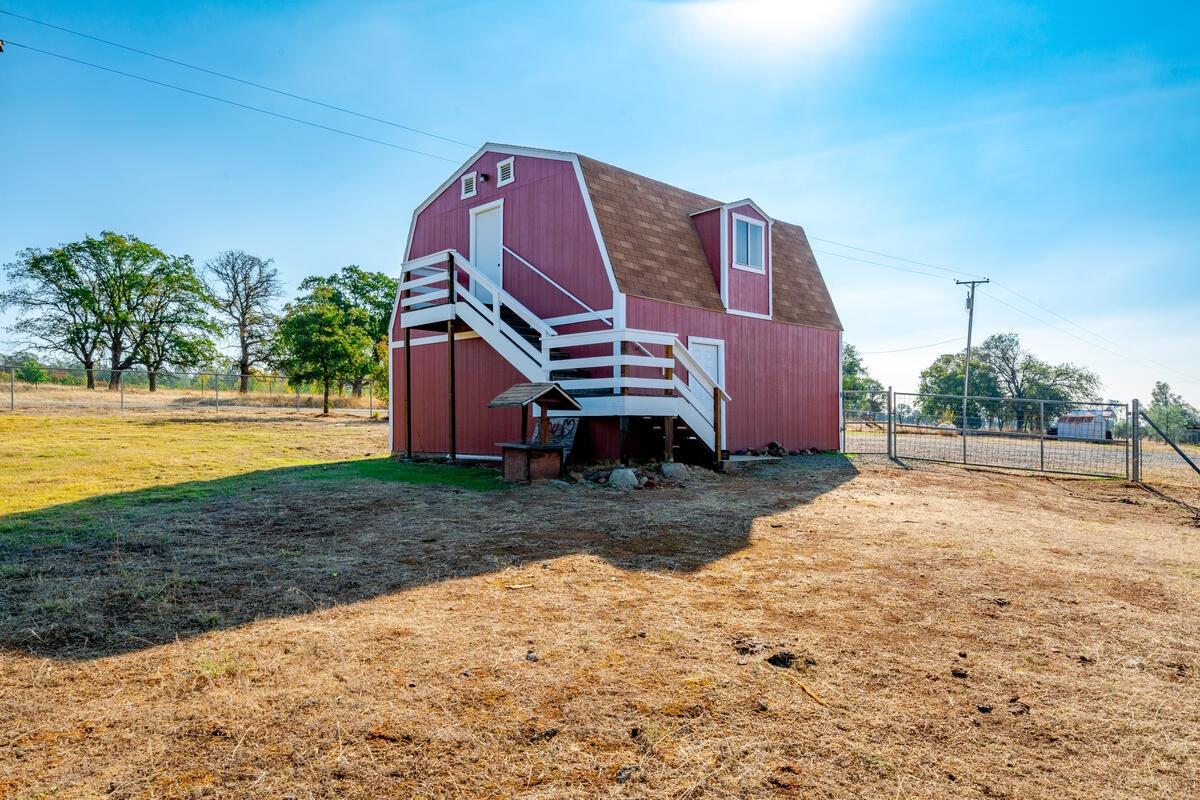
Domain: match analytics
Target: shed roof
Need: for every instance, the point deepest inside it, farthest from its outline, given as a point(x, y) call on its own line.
point(550, 395)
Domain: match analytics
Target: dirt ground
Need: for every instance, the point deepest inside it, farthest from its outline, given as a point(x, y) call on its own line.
point(824, 628)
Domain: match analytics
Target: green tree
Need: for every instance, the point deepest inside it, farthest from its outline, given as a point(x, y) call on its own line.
point(1170, 411)
point(941, 387)
point(58, 305)
point(130, 273)
point(175, 325)
point(866, 393)
point(854, 372)
point(30, 371)
point(374, 295)
point(319, 339)
point(1021, 375)
point(1001, 368)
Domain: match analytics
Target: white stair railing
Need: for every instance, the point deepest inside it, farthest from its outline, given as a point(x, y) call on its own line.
point(593, 312)
point(435, 293)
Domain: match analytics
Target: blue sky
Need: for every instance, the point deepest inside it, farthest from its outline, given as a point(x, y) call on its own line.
point(1054, 147)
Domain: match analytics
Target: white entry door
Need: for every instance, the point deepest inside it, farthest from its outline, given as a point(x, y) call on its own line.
point(708, 353)
point(487, 238)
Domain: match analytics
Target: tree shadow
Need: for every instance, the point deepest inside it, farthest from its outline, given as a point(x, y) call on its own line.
point(122, 572)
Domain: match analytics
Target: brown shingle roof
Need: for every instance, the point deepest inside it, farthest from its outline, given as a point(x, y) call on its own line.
point(656, 253)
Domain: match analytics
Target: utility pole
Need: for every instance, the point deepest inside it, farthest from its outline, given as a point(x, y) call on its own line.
point(967, 365)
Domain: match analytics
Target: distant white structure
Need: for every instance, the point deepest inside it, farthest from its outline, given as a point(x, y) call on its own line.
point(1087, 423)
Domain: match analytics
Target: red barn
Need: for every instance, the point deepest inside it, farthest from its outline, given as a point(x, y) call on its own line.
point(681, 324)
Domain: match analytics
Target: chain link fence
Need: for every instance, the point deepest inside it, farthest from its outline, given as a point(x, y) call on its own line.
point(34, 387)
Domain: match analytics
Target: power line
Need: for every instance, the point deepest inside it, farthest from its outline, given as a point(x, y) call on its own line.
point(894, 258)
point(907, 349)
point(1128, 353)
point(236, 79)
point(1140, 361)
point(233, 102)
point(879, 264)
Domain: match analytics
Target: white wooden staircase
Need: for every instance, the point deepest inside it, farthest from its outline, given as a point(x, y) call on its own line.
point(615, 372)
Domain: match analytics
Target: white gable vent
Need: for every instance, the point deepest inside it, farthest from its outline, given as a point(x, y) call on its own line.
point(504, 172)
point(468, 185)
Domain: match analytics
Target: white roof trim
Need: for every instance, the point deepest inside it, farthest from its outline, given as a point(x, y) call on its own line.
point(517, 150)
point(746, 201)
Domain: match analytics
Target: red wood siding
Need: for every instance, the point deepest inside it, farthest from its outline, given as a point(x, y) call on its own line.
point(545, 221)
point(749, 291)
point(708, 228)
point(783, 378)
point(482, 374)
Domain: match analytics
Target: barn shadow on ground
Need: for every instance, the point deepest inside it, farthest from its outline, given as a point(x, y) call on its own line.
point(122, 572)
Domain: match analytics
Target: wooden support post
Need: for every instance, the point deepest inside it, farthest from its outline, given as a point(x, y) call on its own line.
point(524, 425)
point(623, 440)
point(452, 296)
point(669, 372)
point(545, 426)
point(717, 423)
point(408, 450)
point(669, 439)
point(452, 432)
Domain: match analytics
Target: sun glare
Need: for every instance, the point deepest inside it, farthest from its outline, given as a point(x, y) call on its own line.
point(774, 32)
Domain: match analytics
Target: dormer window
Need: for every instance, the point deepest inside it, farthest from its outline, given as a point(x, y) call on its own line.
point(748, 239)
point(504, 172)
point(468, 185)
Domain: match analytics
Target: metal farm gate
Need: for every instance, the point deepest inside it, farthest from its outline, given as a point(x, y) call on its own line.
point(1077, 438)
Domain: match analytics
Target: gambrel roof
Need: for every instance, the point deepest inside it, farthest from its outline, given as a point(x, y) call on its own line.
point(656, 252)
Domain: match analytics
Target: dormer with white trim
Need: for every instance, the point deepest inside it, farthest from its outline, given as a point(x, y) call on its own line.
point(736, 238)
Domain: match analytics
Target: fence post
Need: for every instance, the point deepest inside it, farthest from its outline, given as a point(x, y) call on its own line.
point(891, 423)
point(1136, 434)
point(371, 402)
point(121, 380)
point(12, 388)
point(217, 392)
point(297, 398)
point(842, 421)
point(1042, 435)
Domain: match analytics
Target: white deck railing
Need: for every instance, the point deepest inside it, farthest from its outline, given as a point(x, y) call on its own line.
point(436, 293)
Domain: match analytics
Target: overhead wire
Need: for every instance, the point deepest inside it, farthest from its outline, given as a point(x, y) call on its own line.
point(1128, 352)
point(878, 264)
point(236, 79)
point(234, 103)
point(907, 349)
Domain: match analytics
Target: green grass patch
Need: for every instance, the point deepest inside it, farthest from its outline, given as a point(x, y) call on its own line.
point(476, 479)
point(82, 479)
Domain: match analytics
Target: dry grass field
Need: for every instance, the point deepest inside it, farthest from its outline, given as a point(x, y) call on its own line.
point(266, 607)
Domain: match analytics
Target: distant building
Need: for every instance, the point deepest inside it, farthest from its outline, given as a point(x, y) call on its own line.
point(1087, 423)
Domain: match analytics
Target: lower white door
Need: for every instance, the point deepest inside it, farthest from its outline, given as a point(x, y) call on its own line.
point(709, 356)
